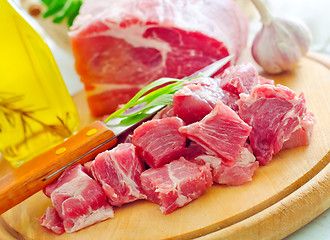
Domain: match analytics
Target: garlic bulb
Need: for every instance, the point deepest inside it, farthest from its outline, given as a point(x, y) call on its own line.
point(281, 42)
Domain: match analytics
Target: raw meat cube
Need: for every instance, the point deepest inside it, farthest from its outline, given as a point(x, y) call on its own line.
point(158, 141)
point(192, 103)
point(79, 200)
point(165, 113)
point(198, 97)
point(273, 113)
point(194, 150)
point(240, 173)
point(121, 45)
point(118, 170)
point(263, 80)
point(221, 132)
point(52, 221)
point(237, 174)
point(302, 136)
point(176, 184)
point(88, 168)
point(240, 78)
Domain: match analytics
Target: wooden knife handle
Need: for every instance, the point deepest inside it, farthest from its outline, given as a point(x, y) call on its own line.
point(28, 179)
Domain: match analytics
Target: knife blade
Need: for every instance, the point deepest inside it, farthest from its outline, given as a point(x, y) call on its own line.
point(84, 146)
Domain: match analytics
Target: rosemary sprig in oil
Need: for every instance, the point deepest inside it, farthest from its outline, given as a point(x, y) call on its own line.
point(9, 111)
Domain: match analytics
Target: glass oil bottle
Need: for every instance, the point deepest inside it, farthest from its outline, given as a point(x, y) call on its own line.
point(36, 109)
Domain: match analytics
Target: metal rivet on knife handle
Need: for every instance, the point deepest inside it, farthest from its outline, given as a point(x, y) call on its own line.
point(60, 150)
point(91, 132)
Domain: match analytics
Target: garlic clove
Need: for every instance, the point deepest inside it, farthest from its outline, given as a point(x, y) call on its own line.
point(279, 46)
point(301, 32)
point(281, 42)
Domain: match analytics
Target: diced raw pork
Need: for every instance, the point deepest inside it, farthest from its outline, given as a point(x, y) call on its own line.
point(52, 221)
point(198, 97)
point(88, 168)
point(126, 138)
point(176, 184)
point(240, 78)
point(121, 45)
point(221, 132)
point(274, 113)
point(302, 136)
point(193, 151)
point(79, 200)
point(165, 113)
point(158, 141)
point(263, 80)
point(240, 173)
point(118, 170)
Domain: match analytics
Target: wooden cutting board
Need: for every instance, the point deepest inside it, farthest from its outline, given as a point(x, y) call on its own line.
point(283, 196)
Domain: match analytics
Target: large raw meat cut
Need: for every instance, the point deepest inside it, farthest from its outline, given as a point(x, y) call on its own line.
point(118, 170)
point(78, 199)
point(273, 112)
point(121, 45)
point(176, 184)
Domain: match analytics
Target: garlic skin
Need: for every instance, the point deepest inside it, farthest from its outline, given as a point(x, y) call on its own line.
point(280, 43)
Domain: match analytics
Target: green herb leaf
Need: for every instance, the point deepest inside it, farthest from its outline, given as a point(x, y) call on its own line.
point(146, 99)
point(132, 120)
point(62, 9)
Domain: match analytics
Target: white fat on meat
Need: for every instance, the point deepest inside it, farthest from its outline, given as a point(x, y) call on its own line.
point(118, 170)
point(76, 187)
point(95, 216)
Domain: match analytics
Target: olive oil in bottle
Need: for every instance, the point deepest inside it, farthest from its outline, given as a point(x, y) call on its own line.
point(36, 109)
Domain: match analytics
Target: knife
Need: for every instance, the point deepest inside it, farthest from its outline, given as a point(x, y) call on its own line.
point(84, 146)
